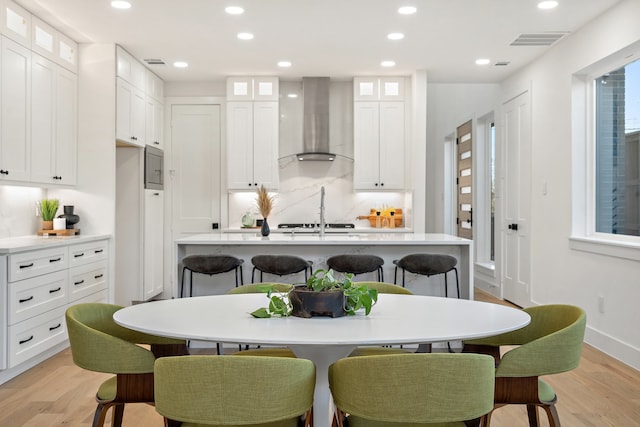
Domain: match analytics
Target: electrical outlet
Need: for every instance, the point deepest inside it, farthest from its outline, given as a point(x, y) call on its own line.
point(601, 304)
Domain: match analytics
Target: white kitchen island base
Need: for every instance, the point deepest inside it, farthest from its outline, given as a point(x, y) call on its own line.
point(389, 246)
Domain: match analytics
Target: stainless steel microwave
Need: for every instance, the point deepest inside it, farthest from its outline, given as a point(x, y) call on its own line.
point(153, 168)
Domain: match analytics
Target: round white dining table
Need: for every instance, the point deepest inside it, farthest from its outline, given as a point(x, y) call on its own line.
point(395, 319)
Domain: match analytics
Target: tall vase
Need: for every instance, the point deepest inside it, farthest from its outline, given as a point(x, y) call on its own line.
point(71, 218)
point(264, 230)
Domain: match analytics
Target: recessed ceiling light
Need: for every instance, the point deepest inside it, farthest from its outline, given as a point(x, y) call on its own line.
point(388, 63)
point(180, 64)
point(292, 95)
point(483, 61)
point(395, 36)
point(234, 10)
point(120, 4)
point(407, 10)
point(245, 36)
point(547, 4)
point(284, 64)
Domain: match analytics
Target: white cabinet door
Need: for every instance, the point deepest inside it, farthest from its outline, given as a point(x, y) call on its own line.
point(53, 123)
point(366, 169)
point(392, 146)
point(153, 112)
point(130, 115)
point(15, 111)
point(66, 126)
point(153, 283)
point(44, 39)
point(379, 146)
point(43, 84)
point(16, 23)
point(240, 146)
point(130, 70)
point(265, 144)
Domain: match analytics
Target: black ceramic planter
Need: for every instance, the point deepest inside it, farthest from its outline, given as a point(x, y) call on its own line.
point(308, 303)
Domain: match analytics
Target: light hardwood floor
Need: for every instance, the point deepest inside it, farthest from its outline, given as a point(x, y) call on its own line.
point(600, 392)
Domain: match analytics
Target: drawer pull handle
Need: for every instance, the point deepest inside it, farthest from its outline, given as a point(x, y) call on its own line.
point(98, 276)
point(26, 265)
point(78, 255)
point(98, 251)
point(26, 341)
point(53, 328)
point(55, 260)
point(53, 291)
point(26, 299)
point(78, 283)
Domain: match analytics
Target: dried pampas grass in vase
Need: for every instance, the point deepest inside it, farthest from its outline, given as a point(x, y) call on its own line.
point(265, 205)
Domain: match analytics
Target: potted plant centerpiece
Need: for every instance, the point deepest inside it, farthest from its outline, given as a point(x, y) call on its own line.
point(47, 209)
point(322, 295)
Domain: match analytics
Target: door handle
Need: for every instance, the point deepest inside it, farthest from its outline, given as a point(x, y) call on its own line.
point(513, 227)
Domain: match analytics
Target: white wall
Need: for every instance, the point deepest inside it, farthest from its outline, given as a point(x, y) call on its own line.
point(559, 274)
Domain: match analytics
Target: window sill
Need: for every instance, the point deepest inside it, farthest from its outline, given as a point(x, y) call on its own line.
point(608, 247)
point(486, 268)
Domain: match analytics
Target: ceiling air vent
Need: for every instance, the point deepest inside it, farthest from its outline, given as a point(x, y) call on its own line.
point(155, 61)
point(502, 63)
point(538, 39)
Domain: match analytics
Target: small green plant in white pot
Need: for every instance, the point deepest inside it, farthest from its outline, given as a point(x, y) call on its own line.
point(48, 209)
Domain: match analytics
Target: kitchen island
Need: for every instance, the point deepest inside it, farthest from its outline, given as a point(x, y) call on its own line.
point(316, 248)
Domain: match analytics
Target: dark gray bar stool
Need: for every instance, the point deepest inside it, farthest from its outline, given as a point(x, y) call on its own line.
point(357, 264)
point(427, 265)
point(280, 265)
point(210, 264)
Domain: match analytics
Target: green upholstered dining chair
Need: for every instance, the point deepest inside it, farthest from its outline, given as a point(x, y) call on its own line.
point(550, 344)
point(99, 344)
point(216, 391)
point(437, 389)
point(382, 288)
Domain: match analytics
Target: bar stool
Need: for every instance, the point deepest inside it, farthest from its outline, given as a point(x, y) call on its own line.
point(280, 265)
point(427, 265)
point(210, 264)
point(357, 264)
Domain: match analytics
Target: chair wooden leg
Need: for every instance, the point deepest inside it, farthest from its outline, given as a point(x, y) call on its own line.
point(118, 413)
point(532, 412)
point(101, 413)
point(552, 415)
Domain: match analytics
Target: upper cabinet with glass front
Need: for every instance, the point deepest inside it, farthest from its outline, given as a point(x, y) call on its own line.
point(378, 88)
point(16, 23)
point(252, 89)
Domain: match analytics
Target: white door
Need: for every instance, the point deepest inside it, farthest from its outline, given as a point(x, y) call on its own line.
point(195, 168)
point(516, 184)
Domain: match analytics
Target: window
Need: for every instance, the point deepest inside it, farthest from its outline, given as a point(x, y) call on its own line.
point(492, 171)
point(617, 151)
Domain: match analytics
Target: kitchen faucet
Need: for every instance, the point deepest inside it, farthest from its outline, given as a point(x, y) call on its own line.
point(322, 224)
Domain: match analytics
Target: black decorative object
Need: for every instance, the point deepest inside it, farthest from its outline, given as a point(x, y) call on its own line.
point(72, 219)
point(264, 229)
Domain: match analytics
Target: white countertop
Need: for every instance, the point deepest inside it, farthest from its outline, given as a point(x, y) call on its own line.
point(351, 238)
point(327, 231)
point(28, 243)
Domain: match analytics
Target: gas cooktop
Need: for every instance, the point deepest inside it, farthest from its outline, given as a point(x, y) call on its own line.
point(312, 225)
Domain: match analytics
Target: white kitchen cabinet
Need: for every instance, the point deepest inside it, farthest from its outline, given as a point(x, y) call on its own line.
point(379, 88)
point(153, 128)
point(379, 145)
point(41, 283)
point(130, 113)
point(130, 70)
point(44, 39)
point(155, 86)
point(252, 144)
point(153, 282)
point(16, 23)
point(263, 88)
point(53, 123)
point(15, 111)
point(67, 53)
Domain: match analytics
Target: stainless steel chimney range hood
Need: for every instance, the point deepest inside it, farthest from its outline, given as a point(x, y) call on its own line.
point(315, 134)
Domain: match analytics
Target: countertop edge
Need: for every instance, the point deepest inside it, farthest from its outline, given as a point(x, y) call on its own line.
point(10, 245)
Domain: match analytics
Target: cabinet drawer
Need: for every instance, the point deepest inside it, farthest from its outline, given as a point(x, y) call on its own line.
point(87, 279)
point(85, 253)
point(100, 296)
point(31, 297)
point(36, 263)
point(33, 336)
